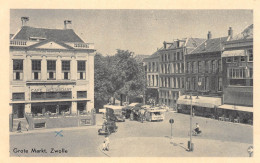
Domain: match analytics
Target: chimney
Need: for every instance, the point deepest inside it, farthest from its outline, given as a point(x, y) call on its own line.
point(178, 43)
point(164, 45)
point(230, 32)
point(209, 35)
point(24, 20)
point(67, 24)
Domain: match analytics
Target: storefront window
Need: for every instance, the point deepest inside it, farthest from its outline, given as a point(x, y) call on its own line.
point(251, 72)
point(37, 95)
point(65, 95)
point(17, 69)
point(18, 96)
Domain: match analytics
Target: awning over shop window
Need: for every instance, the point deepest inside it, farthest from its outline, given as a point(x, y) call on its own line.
point(237, 107)
point(209, 102)
point(233, 53)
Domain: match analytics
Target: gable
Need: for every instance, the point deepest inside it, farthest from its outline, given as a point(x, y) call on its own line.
point(50, 45)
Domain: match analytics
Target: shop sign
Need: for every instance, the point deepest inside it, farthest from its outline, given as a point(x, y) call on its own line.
point(51, 89)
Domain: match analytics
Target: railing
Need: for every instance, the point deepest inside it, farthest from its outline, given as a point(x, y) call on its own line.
point(81, 45)
point(22, 43)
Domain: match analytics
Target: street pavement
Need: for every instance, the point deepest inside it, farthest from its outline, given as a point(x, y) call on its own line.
point(136, 139)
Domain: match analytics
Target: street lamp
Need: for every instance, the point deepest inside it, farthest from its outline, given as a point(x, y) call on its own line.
point(190, 144)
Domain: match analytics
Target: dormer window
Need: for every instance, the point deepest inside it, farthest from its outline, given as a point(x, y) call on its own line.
point(36, 38)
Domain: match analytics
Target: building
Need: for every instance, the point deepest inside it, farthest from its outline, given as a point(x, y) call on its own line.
point(52, 72)
point(172, 69)
point(151, 65)
point(204, 77)
point(238, 76)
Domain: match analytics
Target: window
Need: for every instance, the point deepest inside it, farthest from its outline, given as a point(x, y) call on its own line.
point(220, 84)
point(209, 66)
point(162, 57)
point(36, 69)
point(81, 94)
point(51, 69)
point(18, 96)
point(235, 59)
point(178, 56)
point(236, 73)
point(228, 60)
point(242, 59)
point(250, 55)
point(82, 69)
point(188, 84)
point(194, 67)
point(200, 67)
point(17, 69)
point(214, 66)
point(207, 83)
point(174, 57)
point(181, 55)
point(66, 69)
point(219, 65)
point(65, 95)
point(149, 67)
point(251, 72)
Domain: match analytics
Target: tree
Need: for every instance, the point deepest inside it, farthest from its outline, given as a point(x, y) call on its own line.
point(116, 76)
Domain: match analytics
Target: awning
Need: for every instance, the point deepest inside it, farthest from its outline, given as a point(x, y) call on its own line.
point(237, 107)
point(209, 102)
point(233, 53)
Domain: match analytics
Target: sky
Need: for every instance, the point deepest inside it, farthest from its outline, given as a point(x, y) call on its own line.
point(139, 31)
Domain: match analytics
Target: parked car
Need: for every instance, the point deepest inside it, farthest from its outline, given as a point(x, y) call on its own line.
point(108, 128)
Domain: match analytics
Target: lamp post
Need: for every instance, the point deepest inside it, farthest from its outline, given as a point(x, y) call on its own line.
point(190, 144)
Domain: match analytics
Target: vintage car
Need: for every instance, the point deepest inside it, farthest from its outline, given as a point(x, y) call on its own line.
point(127, 110)
point(155, 114)
point(114, 113)
point(108, 128)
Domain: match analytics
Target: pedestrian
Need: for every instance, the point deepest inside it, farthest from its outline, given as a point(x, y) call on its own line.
point(19, 128)
point(27, 126)
point(107, 142)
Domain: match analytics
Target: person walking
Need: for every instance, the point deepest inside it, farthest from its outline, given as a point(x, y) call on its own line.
point(19, 127)
point(107, 142)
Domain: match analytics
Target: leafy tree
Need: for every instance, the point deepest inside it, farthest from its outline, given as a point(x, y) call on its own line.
point(116, 76)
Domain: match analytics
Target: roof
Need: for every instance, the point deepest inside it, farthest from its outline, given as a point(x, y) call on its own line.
point(114, 107)
point(247, 33)
point(154, 55)
point(210, 45)
point(140, 57)
point(11, 35)
point(63, 35)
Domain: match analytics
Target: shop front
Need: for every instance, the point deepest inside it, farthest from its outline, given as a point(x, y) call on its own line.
point(18, 111)
point(202, 106)
point(50, 107)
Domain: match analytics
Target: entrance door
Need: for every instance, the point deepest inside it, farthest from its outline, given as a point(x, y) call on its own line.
point(81, 106)
point(18, 110)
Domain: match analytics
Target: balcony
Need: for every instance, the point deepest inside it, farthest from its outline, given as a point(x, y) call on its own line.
point(81, 45)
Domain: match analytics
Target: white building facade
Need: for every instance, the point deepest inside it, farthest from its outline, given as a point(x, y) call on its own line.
point(51, 70)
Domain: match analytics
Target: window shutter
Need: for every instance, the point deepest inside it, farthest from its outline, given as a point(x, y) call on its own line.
point(84, 75)
point(32, 75)
point(39, 75)
point(48, 75)
point(78, 76)
point(54, 75)
point(14, 75)
point(62, 75)
point(69, 75)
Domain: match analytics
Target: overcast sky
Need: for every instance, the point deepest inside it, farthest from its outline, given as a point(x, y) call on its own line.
point(140, 31)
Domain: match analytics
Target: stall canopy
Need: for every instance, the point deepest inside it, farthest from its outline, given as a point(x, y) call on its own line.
point(237, 107)
point(233, 53)
point(209, 102)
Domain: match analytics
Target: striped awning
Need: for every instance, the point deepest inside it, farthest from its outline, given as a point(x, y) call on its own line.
point(233, 53)
point(237, 107)
point(209, 102)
